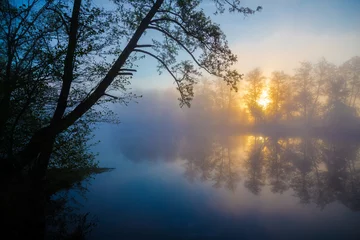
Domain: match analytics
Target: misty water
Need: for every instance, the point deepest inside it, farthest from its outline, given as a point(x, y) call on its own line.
point(173, 181)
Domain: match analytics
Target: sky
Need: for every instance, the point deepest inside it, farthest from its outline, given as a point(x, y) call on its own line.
point(283, 34)
point(279, 37)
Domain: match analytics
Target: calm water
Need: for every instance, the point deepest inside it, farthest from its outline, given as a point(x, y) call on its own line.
point(187, 185)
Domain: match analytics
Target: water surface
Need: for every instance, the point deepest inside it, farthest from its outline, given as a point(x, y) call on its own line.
point(201, 185)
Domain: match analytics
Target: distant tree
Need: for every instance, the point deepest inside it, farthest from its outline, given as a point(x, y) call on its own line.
point(279, 87)
point(255, 80)
point(304, 86)
point(338, 112)
point(351, 72)
point(323, 72)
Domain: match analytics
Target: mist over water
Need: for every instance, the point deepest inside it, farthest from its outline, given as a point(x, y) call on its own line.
point(182, 174)
point(248, 128)
point(279, 158)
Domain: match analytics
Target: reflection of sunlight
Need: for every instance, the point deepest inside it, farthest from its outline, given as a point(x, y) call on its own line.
point(264, 99)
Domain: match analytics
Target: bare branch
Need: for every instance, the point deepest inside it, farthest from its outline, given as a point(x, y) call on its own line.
point(125, 74)
point(144, 45)
point(128, 70)
point(117, 98)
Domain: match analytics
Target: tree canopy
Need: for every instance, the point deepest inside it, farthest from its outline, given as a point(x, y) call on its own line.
point(63, 58)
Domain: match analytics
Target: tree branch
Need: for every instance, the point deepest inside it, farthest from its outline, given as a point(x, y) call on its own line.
point(128, 70)
point(125, 74)
point(183, 28)
point(165, 66)
point(34, 20)
point(117, 98)
point(87, 103)
point(173, 13)
point(62, 19)
point(183, 46)
point(144, 45)
point(69, 64)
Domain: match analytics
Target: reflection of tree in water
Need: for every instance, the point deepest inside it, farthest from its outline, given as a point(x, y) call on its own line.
point(323, 171)
point(303, 158)
point(64, 221)
point(317, 171)
point(254, 166)
point(199, 161)
point(277, 166)
point(343, 175)
point(48, 210)
point(210, 159)
point(224, 172)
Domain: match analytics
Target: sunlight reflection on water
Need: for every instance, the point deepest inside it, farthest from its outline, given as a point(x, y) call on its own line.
point(218, 187)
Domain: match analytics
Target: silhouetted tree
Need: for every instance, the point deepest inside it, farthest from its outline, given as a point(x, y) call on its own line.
point(303, 86)
point(351, 71)
point(255, 80)
point(323, 71)
point(91, 32)
point(279, 84)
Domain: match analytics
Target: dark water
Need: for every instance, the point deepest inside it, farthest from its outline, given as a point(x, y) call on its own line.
point(177, 185)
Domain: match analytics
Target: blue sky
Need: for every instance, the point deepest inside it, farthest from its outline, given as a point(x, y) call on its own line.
point(283, 34)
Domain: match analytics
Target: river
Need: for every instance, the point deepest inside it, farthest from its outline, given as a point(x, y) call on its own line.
point(202, 185)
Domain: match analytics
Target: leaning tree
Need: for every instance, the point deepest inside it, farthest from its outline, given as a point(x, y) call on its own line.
point(89, 55)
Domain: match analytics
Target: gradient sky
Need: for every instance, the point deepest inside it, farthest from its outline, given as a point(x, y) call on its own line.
point(284, 33)
point(278, 38)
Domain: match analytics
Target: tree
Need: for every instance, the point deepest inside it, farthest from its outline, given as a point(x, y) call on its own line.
point(255, 80)
point(351, 72)
point(85, 31)
point(340, 111)
point(303, 86)
point(323, 72)
point(28, 89)
point(279, 84)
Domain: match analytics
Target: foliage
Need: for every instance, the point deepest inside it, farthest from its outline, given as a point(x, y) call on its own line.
point(70, 57)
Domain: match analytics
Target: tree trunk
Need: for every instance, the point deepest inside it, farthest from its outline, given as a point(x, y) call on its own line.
point(40, 146)
point(5, 106)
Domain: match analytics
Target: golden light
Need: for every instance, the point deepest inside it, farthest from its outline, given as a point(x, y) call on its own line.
point(264, 99)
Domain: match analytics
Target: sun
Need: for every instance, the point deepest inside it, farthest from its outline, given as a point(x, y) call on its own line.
point(264, 99)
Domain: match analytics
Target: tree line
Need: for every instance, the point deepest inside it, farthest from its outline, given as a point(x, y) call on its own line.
point(318, 95)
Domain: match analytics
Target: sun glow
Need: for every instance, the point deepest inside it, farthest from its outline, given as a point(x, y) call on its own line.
point(264, 99)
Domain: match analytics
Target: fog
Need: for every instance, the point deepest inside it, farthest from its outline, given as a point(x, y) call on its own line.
point(319, 101)
point(226, 150)
point(320, 96)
